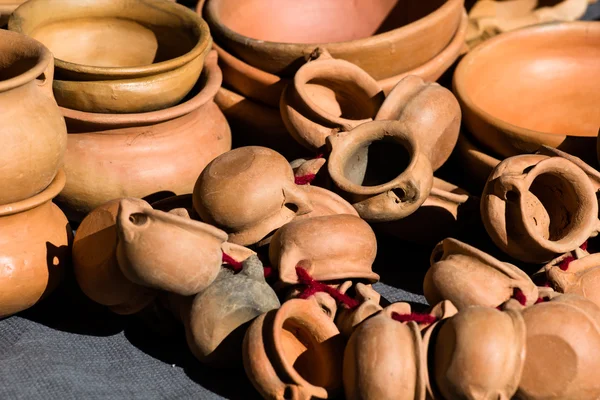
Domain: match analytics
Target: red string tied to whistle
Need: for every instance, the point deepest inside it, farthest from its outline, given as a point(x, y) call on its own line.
point(313, 286)
point(416, 317)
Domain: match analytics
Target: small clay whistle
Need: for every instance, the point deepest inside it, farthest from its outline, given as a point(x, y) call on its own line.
point(219, 314)
point(536, 207)
point(469, 277)
point(379, 168)
point(294, 352)
point(347, 319)
point(249, 192)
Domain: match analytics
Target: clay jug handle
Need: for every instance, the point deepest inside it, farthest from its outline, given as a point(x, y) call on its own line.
point(45, 79)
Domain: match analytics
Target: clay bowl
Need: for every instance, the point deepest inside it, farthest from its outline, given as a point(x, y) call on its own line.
point(266, 88)
point(534, 86)
point(6, 8)
point(145, 54)
point(384, 37)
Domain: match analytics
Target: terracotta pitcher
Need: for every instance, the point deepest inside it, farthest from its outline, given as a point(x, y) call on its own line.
point(469, 277)
point(536, 207)
point(380, 168)
point(563, 350)
point(294, 352)
point(249, 192)
point(220, 314)
point(32, 130)
point(167, 251)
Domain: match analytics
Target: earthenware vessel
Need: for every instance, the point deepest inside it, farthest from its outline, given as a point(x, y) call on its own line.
point(383, 361)
point(347, 319)
point(555, 65)
point(95, 263)
point(249, 192)
point(32, 130)
point(148, 59)
point(135, 155)
point(379, 168)
point(35, 243)
point(294, 352)
point(385, 38)
point(479, 353)
point(265, 88)
point(469, 277)
point(220, 314)
point(334, 247)
point(563, 350)
point(186, 266)
point(535, 207)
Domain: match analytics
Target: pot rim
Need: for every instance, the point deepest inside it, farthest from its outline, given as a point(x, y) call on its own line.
point(44, 59)
point(214, 78)
point(46, 195)
point(462, 74)
point(182, 12)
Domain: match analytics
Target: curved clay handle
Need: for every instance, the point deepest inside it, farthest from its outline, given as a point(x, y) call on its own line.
point(44, 81)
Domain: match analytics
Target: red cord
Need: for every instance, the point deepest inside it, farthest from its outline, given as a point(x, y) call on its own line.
point(519, 296)
point(304, 179)
point(416, 317)
point(236, 266)
point(313, 286)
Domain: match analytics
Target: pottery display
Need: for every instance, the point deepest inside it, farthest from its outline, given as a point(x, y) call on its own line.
point(294, 352)
point(148, 58)
point(219, 315)
point(35, 240)
point(32, 130)
point(551, 66)
point(379, 167)
point(536, 207)
point(118, 155)
point(384, 38)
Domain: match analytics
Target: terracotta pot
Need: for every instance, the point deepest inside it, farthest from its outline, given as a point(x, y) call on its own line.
point(226, 194)
point(294, 352)
point(32, 131)
point(380, 190)
point(266, 88)
point(135, 56)
point(479, 354)
point(383, 360)
point(469, 277)
point(554, 65)
point(576, 273)
point(334, 247)
point(535, 207)
point(95, 263)
point(563, 350)
point(35, 241)
point(115, 155)
point(220, 314)
point(384, 38)
point(472, 158)
point(147, 255)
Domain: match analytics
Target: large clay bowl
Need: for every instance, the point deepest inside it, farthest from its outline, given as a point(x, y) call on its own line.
point(34, 244)
point(531, 87)
point(266, 88)
point(118, 55)
point(384, 37)
point(136, 155)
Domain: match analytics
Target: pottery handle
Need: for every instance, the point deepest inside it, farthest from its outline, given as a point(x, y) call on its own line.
point(506, 186)
point(44, 81)
point(416, 182)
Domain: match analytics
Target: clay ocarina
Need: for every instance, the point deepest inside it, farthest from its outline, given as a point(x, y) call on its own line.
point(536, 207)
point(379, 168)
point(429, 110)
point(563, 350)
point(219, 315)
point(249, 192)
point(383, 360)
point(479, 353)
point(325, 95)
point(576, 272)
point(333, 247)
point(469, 277)
point(347, 319)
point(294, 352)
point(95, 262)
point(166, 251)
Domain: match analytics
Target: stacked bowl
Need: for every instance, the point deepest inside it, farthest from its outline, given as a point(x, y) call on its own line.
point(262, 43)
point(135, 80)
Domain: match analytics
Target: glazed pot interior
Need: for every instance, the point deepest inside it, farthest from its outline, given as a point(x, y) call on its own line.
point(545, 79)
point(378, 162)
point(319, 21)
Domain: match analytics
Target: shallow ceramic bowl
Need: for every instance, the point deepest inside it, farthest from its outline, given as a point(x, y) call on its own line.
point(120, 56)
point(384, 37)
point(534, 86)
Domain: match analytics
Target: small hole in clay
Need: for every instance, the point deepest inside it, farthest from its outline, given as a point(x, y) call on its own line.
point(291, 206)
point(41, 79)
point(288, 393)
point(55, 261)
point(138, 219)
point(512, 196)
